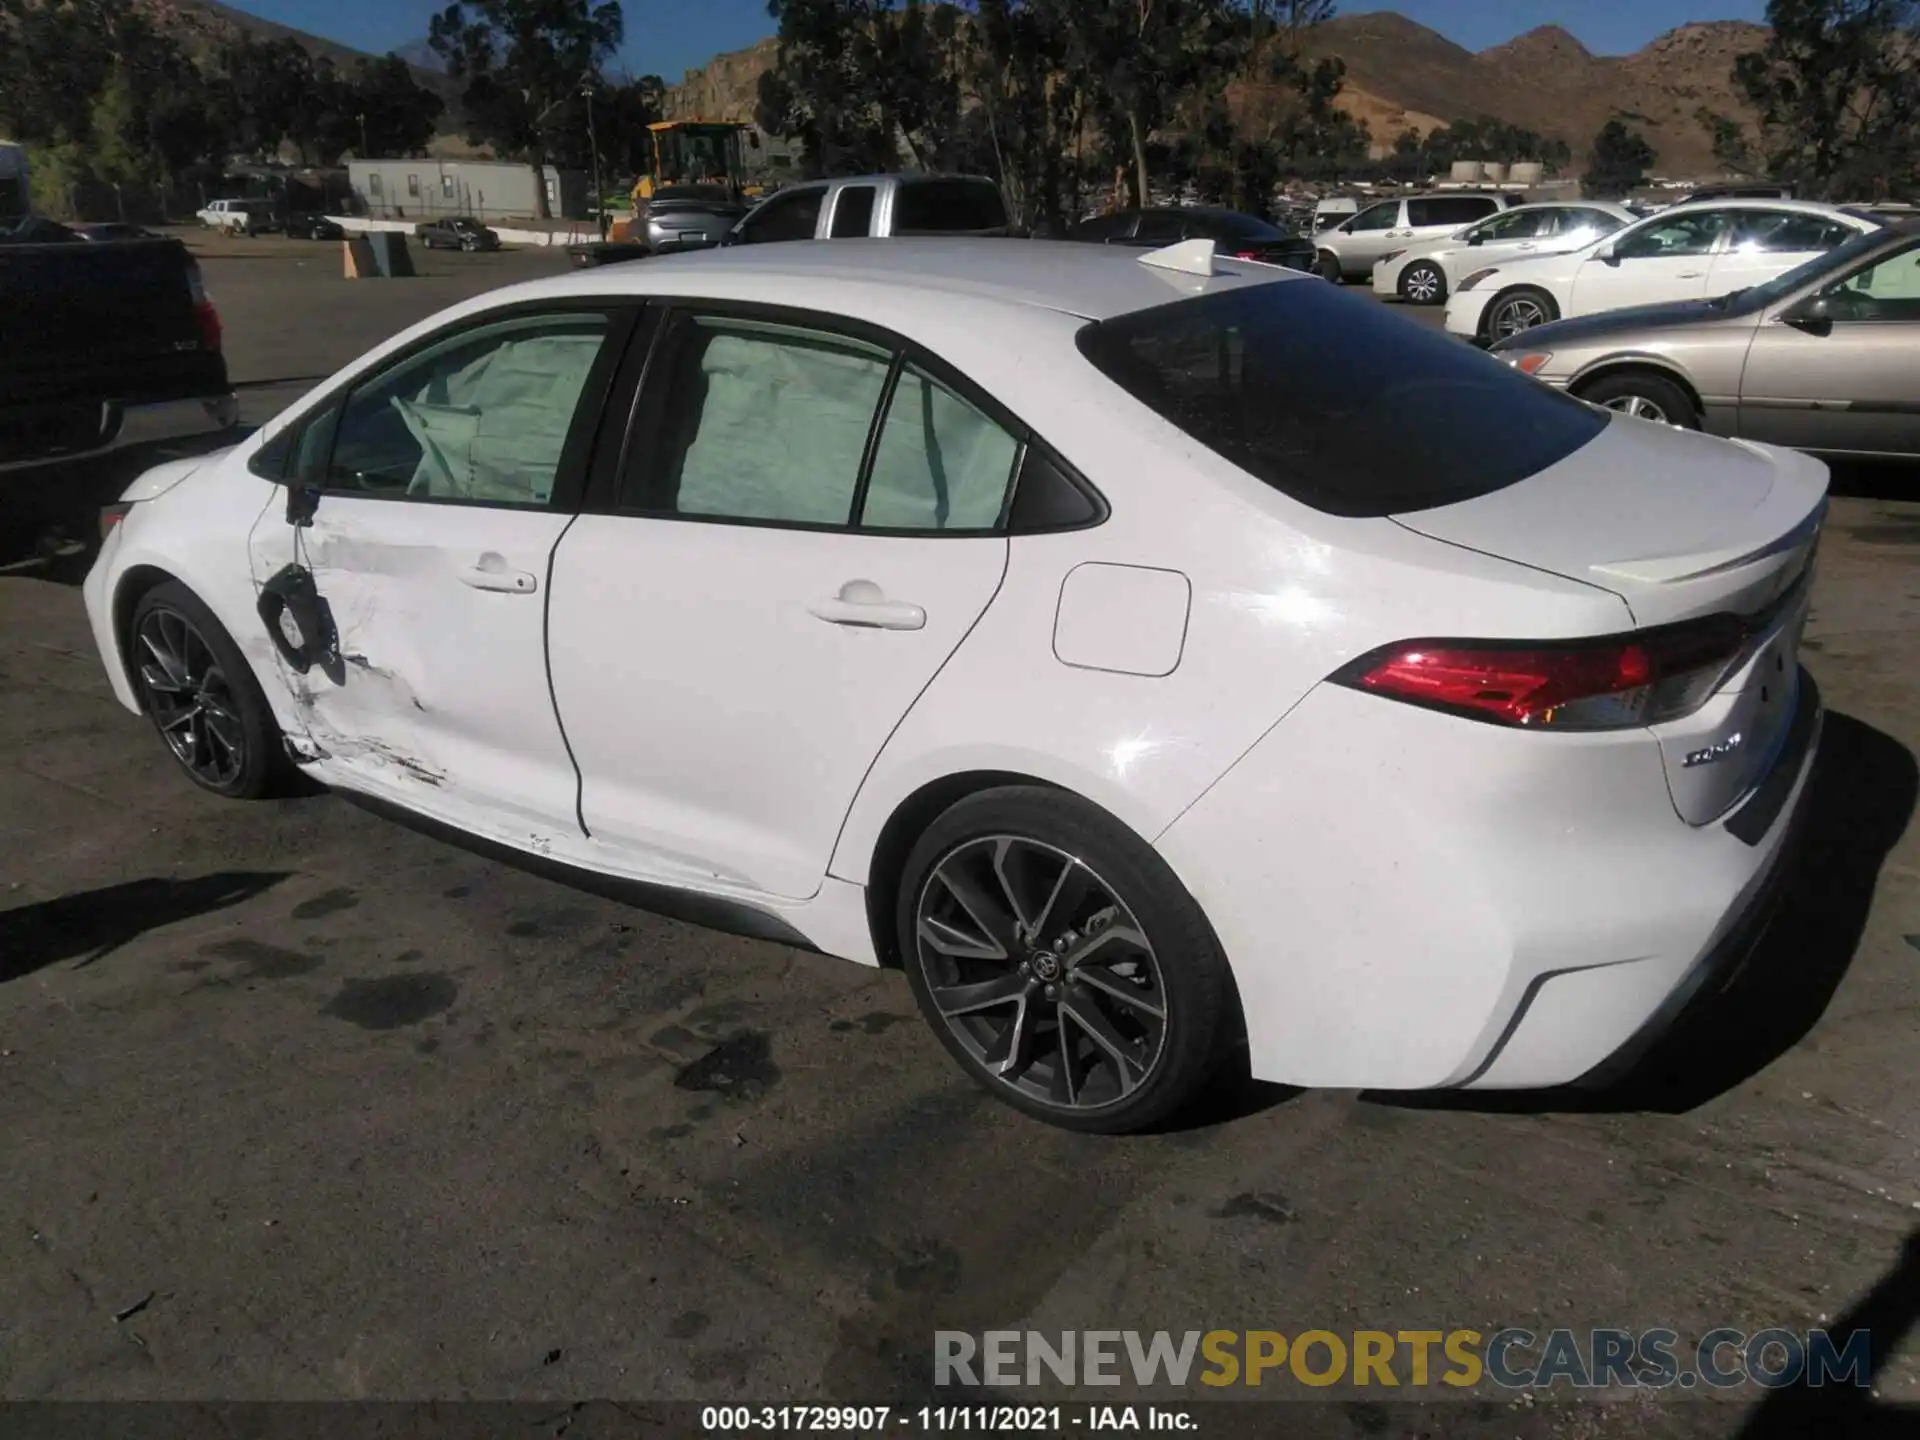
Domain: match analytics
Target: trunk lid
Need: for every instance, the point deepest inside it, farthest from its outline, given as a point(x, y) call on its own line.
point(1676, 523)
point(1680, 526)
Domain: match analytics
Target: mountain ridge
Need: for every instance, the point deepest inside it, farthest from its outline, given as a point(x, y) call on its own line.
point(1400, 75)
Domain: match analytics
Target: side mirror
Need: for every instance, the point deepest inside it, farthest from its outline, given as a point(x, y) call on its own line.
point(1607, 253)
point(1476, 237)
point(1813, 315)
point(303, 498)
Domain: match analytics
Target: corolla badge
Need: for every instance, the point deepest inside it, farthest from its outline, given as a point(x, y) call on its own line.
point(1713, 752)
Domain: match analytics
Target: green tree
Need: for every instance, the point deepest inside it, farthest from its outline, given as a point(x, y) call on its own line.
point(391, 112)
point(1618, 161)
point(522, 65)
point(1837, 86)
point(1732, 149)
point(863, 83)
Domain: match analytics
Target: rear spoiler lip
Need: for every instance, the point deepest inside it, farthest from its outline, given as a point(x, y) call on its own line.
point(1670, 569)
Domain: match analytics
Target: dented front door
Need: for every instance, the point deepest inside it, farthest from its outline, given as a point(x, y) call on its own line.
point(444, 481)
point(439, 695)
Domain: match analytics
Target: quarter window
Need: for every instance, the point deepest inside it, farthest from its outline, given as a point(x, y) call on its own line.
point(758, 421)
point(481, 417)
point(1777, 232)
point(940, 463)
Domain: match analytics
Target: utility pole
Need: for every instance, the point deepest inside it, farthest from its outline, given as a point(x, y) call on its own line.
point(593, 143)
point(363, 138)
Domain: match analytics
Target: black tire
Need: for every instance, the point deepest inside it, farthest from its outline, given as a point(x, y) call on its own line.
point(1327, 267)
point(1423, 283)
point(1105, 879)
point(1645, 395)
point(1519, 310)
point(262, 767)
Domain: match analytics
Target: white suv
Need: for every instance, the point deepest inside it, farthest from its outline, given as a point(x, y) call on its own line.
point(1348, 251)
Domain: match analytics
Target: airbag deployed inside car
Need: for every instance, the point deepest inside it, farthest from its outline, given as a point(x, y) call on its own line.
point(782, 428)
point(495, 429)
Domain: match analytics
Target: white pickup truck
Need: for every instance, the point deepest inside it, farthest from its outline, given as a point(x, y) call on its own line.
point(237, 217)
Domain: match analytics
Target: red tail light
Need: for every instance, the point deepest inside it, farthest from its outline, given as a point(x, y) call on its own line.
point(1614, 683)
point(204, 314)
point(1246, 254)
point(209, 319)
point(110, 516)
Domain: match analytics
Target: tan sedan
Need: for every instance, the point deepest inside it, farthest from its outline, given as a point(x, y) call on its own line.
point(1825, 357)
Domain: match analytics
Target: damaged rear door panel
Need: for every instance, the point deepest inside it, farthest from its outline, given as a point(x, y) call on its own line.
point(426, 502)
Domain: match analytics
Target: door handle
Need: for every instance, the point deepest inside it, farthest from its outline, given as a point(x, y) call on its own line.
point(1690, 274)
point(491, 573)
point(864, 604)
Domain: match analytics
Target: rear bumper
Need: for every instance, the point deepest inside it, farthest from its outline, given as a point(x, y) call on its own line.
point(1770, 821)
point(121, 427)
point(1411, 901)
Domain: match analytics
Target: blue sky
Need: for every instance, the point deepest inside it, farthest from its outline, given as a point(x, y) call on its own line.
point(666, 38)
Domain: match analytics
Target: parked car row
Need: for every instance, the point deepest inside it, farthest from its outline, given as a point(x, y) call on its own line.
point(1689, 252)
point(1824, 357)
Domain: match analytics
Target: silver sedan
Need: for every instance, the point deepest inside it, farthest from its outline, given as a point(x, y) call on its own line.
point(1825, 357)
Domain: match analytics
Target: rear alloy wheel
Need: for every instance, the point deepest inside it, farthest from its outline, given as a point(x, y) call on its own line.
point(1423, 283)
point(1645, 396)
point(202, 696)
point(1061, 962)
point(1518, 311)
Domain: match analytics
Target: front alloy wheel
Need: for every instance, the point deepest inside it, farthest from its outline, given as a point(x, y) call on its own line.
point(190, 698)
point(201, 695)
point(1423, 284)
point(1517, 313)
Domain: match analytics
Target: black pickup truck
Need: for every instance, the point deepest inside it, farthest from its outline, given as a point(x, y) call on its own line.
point(103, 344)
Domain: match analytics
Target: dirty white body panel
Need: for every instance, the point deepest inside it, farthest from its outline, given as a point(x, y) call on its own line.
point(1406, 898)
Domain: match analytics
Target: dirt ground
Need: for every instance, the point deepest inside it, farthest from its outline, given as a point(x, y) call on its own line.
point(298, 1104)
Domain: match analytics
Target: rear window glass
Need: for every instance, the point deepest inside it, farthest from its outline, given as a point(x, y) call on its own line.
point(1232, 226)
point(947, 207)
point(1337, 402)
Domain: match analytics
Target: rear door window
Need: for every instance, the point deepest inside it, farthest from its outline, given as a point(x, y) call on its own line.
point(1340, 405)
point(947, 207)
point(1450, 209)
point(759, 421)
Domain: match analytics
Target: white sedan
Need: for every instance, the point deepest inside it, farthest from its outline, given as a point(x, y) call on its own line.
point(1149, 654)
point(1426, 271)
point(1691, 251)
